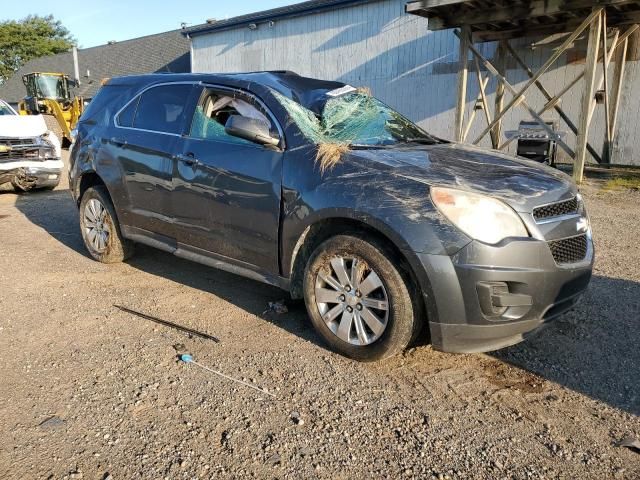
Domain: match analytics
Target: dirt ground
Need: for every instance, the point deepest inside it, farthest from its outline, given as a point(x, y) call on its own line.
point(90, 391)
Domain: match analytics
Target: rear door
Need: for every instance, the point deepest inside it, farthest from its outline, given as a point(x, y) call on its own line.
point(226, 189)
point(146, 139)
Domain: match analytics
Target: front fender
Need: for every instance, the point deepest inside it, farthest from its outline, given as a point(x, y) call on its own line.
point(399, 208)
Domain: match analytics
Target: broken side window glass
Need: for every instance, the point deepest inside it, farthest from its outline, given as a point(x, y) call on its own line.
point(210, 118)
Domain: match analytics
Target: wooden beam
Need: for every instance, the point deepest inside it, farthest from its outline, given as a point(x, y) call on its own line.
point(519, 95)
point(587, 97)
point(605, 73)
point(444, 14)
point(615, 45)
point(501, 65)
point(463, 67)
point(618, 78)
point(552, 103)
point(492, 69)
point(485, 102)
point(472, 117)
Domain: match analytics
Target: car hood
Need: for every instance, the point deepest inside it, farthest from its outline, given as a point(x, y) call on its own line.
point(521, 183)
point(22, 126)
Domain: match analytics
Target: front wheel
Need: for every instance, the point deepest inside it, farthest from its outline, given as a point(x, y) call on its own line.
point(100, 229)
point(358, 300)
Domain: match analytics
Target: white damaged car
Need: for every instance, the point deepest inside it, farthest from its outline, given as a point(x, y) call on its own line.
point(30, 154)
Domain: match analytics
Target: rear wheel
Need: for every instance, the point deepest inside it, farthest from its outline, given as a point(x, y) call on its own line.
point(100, 229)
point(358, 300)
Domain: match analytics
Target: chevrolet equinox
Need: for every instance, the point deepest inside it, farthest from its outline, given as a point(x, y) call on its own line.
point(321, 189)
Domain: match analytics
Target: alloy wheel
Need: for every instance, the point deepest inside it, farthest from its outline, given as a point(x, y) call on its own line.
point(352, 300)
point(97, 228)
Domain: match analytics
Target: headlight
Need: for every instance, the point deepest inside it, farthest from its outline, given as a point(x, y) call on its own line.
point(479, 216)
point(49, 146)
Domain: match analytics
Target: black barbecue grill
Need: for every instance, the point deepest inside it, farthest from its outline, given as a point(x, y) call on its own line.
point(535, 143)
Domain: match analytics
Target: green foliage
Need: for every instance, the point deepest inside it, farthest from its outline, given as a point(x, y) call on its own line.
point(31, 37)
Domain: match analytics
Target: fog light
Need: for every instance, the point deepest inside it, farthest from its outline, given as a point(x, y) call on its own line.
point(487, 291)
point(495, 299)
point(52, 176)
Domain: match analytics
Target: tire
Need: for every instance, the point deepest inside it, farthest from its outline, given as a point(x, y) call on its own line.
point(354, 333)
point(102, 238)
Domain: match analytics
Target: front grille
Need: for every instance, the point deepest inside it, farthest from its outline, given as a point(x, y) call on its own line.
point(18, 149)
point(559, 209)
point(569, 250)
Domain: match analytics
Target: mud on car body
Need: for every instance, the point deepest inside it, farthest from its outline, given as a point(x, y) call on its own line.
point(29, 153)
point(401, 233)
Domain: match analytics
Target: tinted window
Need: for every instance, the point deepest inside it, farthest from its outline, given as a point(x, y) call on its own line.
point(125, 119)
point(105, 104)
point(161, 109)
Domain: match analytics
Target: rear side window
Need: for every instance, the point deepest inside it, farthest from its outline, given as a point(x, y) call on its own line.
point(105, 103)
point(161, 109)
point(125, 119)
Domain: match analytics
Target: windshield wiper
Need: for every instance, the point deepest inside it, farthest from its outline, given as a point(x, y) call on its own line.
point(421, 140)
point(363, 146)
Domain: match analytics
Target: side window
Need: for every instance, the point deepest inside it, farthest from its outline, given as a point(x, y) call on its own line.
point(162, 108)
point(108, 100)
point(211, 115)
point(125, 119)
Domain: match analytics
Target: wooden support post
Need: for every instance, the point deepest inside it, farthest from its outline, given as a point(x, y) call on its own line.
point(483, 94)
point(606, 156)
point(587, 97)
point(463, 67)
point(472, 117)
point(618, 78)
point(501, 65)
point(492, 69)
point(615, 46)
point(555, 105)
point(519, 95)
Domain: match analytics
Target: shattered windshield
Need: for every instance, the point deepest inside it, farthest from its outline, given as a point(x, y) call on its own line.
point(356, 118)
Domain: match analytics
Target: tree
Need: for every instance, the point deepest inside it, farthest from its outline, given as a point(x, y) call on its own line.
point(31, 37)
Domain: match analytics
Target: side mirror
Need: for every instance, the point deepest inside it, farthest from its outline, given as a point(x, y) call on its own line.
point(250, 129)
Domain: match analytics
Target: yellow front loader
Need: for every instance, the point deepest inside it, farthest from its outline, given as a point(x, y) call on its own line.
point(50, 94)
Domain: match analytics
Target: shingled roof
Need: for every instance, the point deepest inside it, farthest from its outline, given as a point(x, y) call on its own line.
point(162, 52)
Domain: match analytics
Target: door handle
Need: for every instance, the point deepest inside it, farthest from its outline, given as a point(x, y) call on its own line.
point(119, 142)
point(187, 159)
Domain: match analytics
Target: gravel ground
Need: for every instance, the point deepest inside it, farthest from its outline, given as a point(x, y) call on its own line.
point(90, 391)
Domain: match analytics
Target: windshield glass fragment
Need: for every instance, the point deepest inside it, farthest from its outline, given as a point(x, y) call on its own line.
point(355, 118)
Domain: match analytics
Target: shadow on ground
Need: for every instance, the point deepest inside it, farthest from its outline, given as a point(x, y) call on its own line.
point(593, 350)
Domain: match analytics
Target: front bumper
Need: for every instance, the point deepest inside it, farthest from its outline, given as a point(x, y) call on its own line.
point(465, 313)
point(32, 174)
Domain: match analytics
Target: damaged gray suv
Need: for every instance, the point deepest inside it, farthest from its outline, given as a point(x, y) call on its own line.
point(321, 189)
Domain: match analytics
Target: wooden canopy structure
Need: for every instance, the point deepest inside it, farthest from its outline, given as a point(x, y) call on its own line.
point(608, 24)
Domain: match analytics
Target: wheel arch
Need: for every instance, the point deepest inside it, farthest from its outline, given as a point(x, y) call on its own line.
point(319, 231)
point(89, 179)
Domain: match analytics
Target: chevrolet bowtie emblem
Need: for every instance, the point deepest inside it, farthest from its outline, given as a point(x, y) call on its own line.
point(582, 225)
point(5, 148)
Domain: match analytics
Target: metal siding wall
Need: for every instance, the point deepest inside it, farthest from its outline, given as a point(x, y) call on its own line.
point(379, 46)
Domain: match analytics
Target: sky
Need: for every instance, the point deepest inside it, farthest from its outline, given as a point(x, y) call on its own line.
point(95, 22)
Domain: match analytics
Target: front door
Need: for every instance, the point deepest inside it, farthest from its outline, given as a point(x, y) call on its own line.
point(226, 189)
